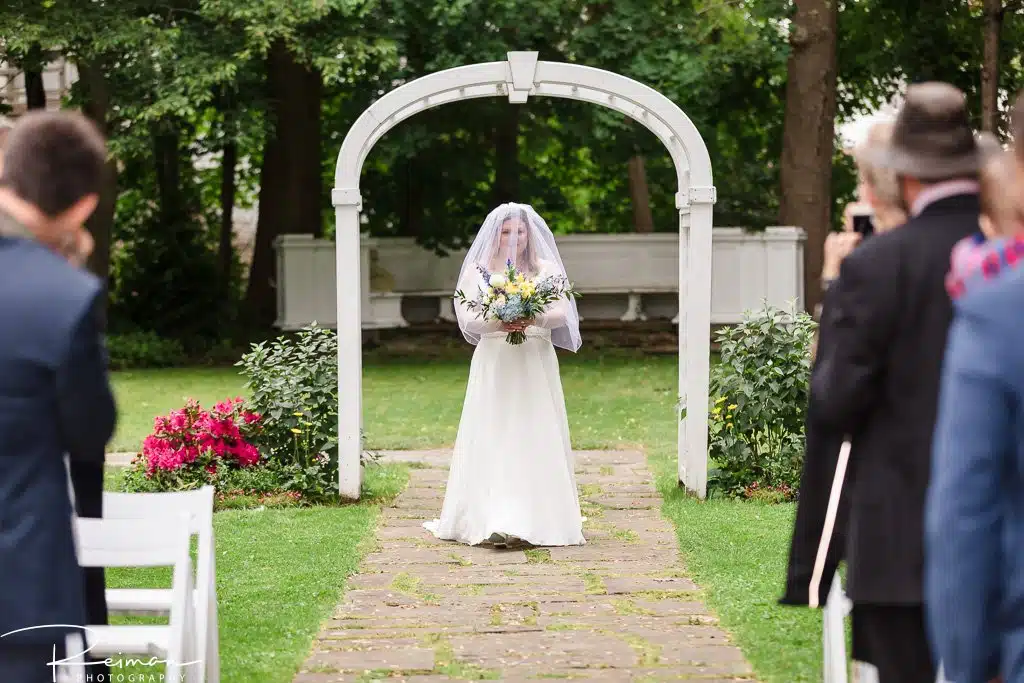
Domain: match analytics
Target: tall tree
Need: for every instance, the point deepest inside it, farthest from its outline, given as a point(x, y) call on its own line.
point(809, 133)
point(96, 105)
point(992, 13)
point(33, 67)
point(291, 187)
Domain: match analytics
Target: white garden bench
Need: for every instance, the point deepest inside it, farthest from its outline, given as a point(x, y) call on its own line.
point(624, 276)
point(154, 542)
point(197, 507)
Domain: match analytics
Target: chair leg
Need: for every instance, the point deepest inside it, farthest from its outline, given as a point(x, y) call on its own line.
point(73, 670)
point(212, 663)
point(834, 635)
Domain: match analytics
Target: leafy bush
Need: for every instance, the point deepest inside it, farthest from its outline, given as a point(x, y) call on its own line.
point(192, 447)
point(759, 404)
point(137, 350)
point(293, 382)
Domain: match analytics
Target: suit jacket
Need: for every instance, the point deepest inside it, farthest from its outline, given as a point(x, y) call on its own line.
point(55, 399)
point(975, 508)
point(821, 456)
point(878, 381)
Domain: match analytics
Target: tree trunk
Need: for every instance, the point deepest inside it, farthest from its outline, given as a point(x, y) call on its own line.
point(167, 161)
point(228, 164)
point(100, 225)
point(291, 188)
point(412, 212)
point(993, 17)
point(809, 133)
point(643, 220)
point(506, 156)
point(35, 91)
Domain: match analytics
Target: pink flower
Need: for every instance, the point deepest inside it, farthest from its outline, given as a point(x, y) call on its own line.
point(181, 437)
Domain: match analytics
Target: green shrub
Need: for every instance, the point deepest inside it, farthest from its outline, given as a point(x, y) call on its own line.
point(138, 350)
point(759, 404)
point(293, 384)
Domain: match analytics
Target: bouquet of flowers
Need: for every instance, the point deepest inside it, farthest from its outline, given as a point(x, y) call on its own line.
point(510, 296)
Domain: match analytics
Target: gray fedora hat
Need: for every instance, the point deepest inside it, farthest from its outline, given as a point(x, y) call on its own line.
point(932, 138)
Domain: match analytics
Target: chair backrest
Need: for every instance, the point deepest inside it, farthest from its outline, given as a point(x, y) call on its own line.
point(198, 505)
point(154, 542)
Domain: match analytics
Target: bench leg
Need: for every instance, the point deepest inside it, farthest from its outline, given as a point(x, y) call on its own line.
point(634, 310)
point(447, 313)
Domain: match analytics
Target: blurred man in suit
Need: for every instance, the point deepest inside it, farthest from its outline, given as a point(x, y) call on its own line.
point(55, 397)
point(877, 380)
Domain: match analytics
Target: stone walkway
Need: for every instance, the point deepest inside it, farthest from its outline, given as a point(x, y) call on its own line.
point(618, 609)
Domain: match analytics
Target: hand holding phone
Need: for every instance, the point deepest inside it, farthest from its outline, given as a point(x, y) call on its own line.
point(863, 225)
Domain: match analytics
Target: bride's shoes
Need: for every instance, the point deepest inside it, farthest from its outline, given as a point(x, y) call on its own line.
point(502, 541)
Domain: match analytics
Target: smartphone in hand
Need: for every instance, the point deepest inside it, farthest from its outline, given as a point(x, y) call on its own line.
point(863, 225)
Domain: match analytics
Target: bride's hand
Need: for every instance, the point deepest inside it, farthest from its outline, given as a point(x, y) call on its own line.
point(517, 326)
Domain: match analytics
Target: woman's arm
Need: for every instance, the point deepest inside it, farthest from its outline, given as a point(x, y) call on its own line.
point(557, 312)
point(470, 320)
point(555, 316)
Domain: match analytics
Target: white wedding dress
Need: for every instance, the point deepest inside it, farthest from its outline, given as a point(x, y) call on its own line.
point(512, 471)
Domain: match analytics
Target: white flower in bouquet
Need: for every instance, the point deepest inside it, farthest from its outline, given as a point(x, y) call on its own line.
point(498, 281)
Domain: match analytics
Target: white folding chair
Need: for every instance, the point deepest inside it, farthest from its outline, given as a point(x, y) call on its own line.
point(73, 669)
point(834, 614)
point(198, 505)
point(160, 542)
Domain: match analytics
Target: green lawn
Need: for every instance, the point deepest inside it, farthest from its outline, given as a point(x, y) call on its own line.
point(737, 551)
point(279, 575)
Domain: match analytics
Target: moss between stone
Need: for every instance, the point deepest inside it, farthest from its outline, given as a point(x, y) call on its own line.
point(626, 607)
point(538, 556)
point(410, 585)
point(594, 583)
point(447, 664)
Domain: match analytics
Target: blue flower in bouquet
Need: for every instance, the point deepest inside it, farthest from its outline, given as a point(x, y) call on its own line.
point(512, 310)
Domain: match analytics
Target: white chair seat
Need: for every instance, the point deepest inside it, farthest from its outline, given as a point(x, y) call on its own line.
point(143, 601)
point(106, 641)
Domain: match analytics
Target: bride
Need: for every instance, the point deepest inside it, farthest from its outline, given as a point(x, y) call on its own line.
point(512, 479)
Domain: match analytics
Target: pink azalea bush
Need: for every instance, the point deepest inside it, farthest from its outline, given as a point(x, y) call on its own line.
point(192, 446)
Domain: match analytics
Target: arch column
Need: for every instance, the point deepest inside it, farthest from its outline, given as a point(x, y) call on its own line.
point(347, 205)
point(520, 77)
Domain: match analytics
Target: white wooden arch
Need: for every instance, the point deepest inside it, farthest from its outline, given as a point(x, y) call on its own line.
point(518, 78)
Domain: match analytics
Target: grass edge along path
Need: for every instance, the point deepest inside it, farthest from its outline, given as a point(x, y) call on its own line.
point(280, 574)
point(735, 551)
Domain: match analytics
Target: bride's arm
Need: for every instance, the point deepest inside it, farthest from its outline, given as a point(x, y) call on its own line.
point(475, 325)
point(469, 319)
point(555, 316)
point(557, 312)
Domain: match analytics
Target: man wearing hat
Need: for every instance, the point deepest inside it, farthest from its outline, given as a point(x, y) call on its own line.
point(877, 381)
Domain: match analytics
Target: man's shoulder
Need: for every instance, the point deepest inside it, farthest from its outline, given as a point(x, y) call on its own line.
point(876, 252)
point(35, 272)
